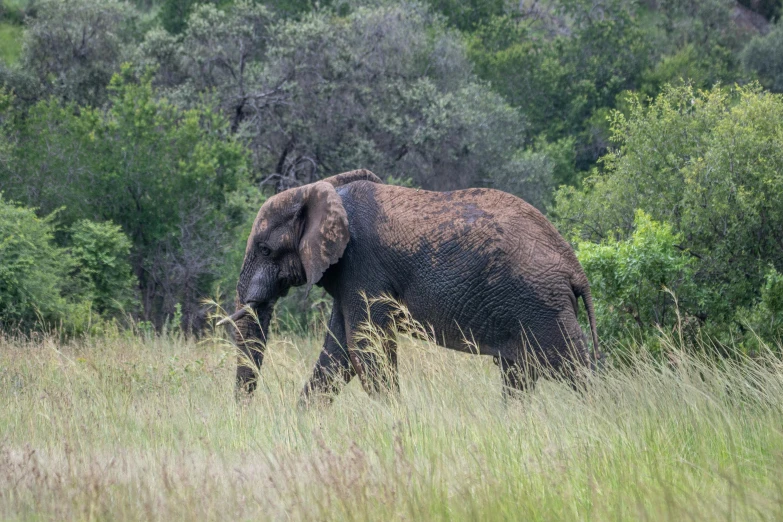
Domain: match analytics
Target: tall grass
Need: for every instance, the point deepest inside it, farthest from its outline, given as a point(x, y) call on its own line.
point(128, 427)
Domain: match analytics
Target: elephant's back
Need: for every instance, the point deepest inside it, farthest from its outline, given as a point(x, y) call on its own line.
point(478, 220)
point(477, 260)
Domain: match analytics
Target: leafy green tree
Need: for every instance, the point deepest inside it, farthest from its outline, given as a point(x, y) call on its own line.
point(73, 47)
point(32, 268)
point(696, 41)
point(387, 88)
point(709, 163)
point(763, 56)
point(563, 73)
point(102, 271)
point(381, 91)
point(631, 278)
point(218, 53)
point(164, 174)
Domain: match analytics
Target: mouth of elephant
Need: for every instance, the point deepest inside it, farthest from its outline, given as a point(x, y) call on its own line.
point(255, 306)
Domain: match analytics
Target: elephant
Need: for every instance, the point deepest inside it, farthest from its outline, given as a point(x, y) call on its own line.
point(486, 271)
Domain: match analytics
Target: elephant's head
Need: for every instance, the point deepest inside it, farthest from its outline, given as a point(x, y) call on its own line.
point(296, 236)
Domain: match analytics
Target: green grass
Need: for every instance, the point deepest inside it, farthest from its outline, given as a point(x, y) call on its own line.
point(128, 428)
point(10, 42)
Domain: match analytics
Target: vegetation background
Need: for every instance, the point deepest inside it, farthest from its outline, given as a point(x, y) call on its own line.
point(138, 139)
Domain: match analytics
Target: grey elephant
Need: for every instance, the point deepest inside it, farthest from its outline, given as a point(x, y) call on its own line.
point(482, 268)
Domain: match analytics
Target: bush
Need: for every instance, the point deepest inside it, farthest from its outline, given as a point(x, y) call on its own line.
point(631, 279)
point(708, 163)
point(73, 289)
point(765, 319)
point(764, 57)
point(102, 270)
point(32, 268)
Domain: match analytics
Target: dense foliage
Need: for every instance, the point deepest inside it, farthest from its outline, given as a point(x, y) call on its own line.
point(635, 280)
point(171, 178)
point(708, 163)
point(47, 285)
point(145, 134)
point(32, 268)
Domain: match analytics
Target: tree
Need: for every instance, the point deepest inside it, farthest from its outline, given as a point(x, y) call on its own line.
point(710, 164)
point(697, 41)
point(220, 51)
point(387, 88)
point(32, 268)
point(171, 178)
point(763, 56)
point(631, 279)
point(73, 47)
point(101, 269)
point(563, 69)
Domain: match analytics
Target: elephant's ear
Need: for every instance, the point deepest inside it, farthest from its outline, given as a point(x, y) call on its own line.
point(324, 230)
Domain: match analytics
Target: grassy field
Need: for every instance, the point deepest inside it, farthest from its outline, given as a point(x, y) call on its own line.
point(128, 428)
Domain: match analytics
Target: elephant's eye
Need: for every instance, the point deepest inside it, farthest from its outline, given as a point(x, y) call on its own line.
point(264, 250)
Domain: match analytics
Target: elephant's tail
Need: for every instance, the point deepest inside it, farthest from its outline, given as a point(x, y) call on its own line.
point(584, 292)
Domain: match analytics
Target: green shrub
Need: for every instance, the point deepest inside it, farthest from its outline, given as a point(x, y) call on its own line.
point(765, 319)
point(708, 163)
point(102, 270)
point(764, 57)
point(32, 268)
point(72, 289)
point(631, 279)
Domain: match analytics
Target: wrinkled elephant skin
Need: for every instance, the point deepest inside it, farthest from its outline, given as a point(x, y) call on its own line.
point(475, 264)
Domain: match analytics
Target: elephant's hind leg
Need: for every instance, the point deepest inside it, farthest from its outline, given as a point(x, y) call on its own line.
point(566, 354)
point(518, 377)
point(575, 361)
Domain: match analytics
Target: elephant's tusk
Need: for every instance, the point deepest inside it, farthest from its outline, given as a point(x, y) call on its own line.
point(236, 316)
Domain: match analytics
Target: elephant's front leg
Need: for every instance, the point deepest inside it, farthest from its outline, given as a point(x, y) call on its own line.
point(372, 347)
point(333, 368)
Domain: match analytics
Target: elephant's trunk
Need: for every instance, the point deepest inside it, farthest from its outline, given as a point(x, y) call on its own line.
point(250, 336)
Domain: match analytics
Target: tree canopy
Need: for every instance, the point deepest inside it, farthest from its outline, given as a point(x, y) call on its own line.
point(707, 163)
point(140, 137)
